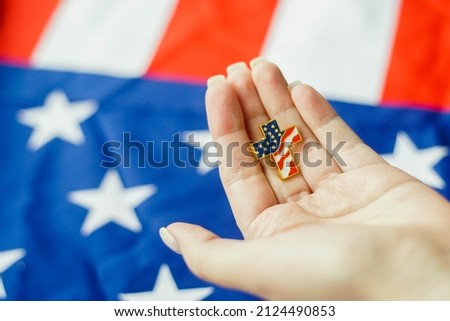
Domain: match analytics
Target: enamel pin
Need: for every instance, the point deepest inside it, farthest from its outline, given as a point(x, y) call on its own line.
point(276, 144)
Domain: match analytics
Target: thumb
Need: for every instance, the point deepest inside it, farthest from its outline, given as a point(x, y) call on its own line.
point(225, 262)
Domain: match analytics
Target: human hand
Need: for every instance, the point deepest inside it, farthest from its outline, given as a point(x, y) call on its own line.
point(359, 230)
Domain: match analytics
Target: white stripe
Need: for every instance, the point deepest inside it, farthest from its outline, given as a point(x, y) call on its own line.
point(284, 172)
point(340, 47)
point(114, 37)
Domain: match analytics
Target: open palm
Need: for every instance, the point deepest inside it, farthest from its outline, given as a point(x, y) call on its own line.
point(349, 226)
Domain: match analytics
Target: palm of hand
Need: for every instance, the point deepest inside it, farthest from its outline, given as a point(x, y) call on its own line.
point(377, 194)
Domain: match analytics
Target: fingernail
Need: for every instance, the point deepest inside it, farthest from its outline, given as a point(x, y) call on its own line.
point(169, 240)
point(257, 61)
point(215, 80)
point(236, 66)
point(294, 84)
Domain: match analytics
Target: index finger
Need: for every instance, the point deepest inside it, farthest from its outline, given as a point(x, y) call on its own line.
point(247, 188)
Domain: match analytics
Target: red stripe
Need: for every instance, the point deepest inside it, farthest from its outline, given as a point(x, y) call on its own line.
point(288, 131)
point(284, 139)
point(283, 158)
point(206, 36)
point(293, 169)
point(419, 71)
point(296, 139)
point(21, 24)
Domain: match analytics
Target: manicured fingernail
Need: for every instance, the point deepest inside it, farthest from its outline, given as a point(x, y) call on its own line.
point(257, 61)
point(169, 240)
point(236, 66)
point(293, 84)
point(215, 80)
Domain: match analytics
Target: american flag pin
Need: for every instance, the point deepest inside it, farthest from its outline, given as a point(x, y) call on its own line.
point(276, 143)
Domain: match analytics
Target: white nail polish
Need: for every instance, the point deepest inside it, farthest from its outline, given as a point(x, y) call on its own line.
point(294, 84)
point(236, 66)
point(257, 61)
point(215, 80)
point(169, 240)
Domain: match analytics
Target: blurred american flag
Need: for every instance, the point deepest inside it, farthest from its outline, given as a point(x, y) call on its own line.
point(76, 74)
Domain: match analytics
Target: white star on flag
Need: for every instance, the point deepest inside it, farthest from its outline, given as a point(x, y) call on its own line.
point(202, 137)
point(417, 162)
point(166, 289)
point(57, 118)
point(7, 259)
point(111, 202)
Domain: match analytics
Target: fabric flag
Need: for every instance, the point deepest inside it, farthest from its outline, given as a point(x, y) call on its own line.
point(103, 124)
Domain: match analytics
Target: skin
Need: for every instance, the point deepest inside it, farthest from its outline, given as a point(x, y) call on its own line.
point(363, 231)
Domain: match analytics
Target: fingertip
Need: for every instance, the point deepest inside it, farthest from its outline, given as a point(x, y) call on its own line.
point(314, 109)
point(169, 240)
point(185, 233)
point(294, 84)
point(218, 93)
point(236, 67)
point(268, 77)
point(256, 61)
point(197, 247)
point(300, 89)
point(306, 93)
point(223, 109)
point(177, 225)
point(216, 79)
point(225, 262)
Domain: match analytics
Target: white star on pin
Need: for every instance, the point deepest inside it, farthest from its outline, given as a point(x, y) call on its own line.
point(111, 202)
point(417, 162)
point(166, 289)
point(202, 137)
point(7, 259)
point(57, 118)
